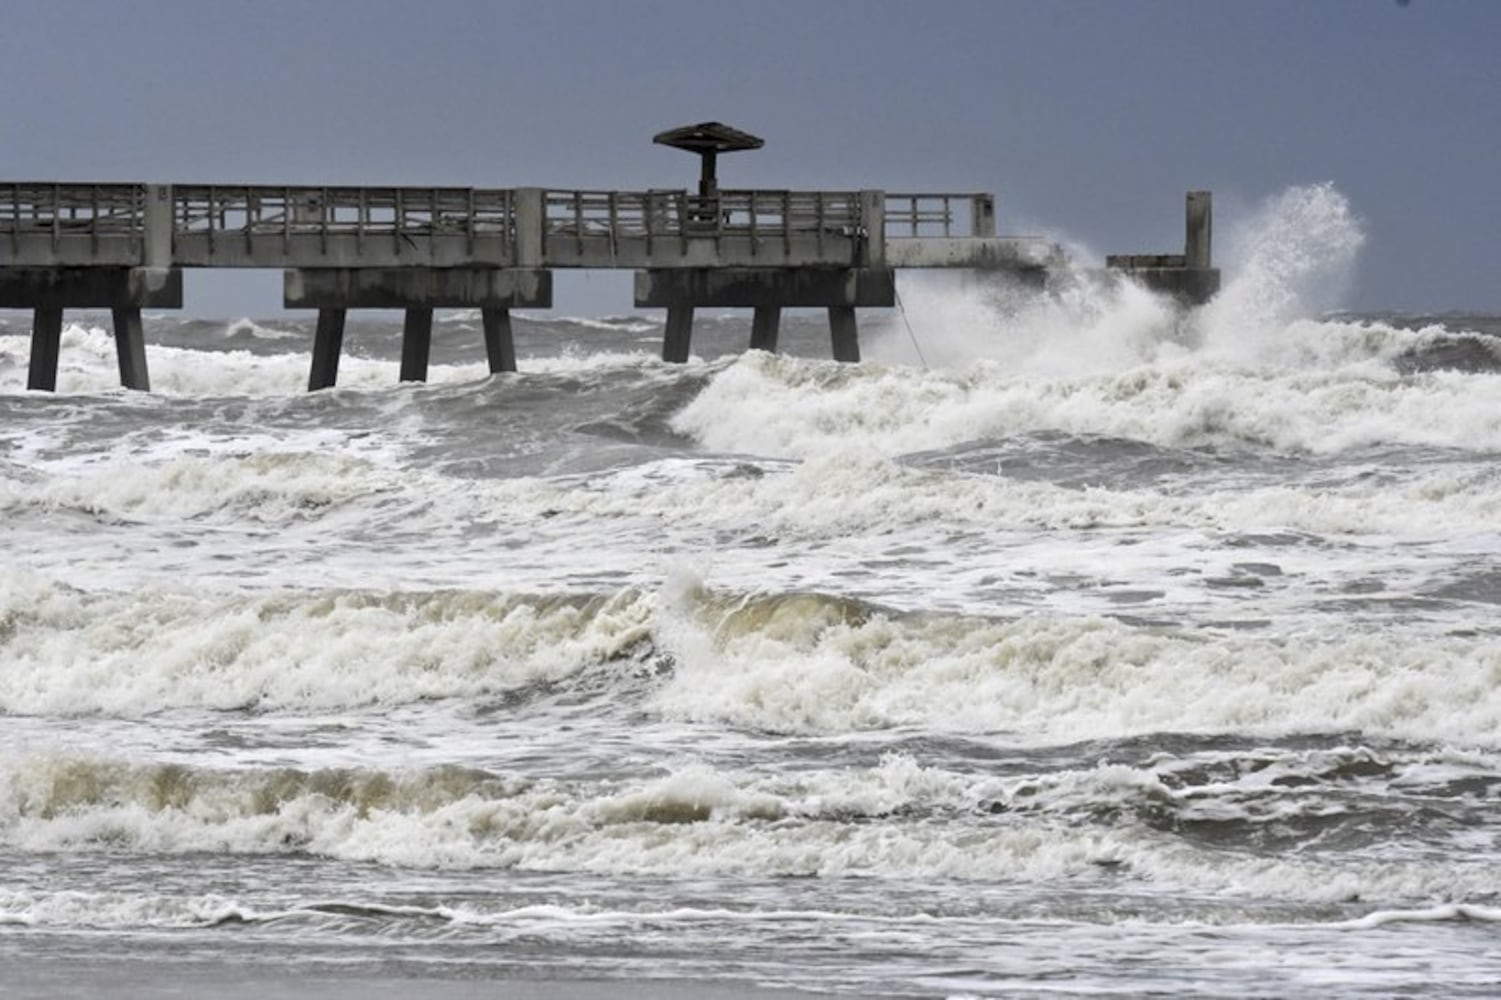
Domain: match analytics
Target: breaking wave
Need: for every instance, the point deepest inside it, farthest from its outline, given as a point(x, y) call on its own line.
point(793, 663)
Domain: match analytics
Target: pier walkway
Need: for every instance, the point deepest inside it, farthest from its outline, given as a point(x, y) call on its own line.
point(124, 247)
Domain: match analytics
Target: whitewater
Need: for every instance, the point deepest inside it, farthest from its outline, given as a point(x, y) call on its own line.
point(1071, 644)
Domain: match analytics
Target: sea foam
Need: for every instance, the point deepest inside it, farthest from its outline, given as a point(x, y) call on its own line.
point(691, 820)
point(791, 663)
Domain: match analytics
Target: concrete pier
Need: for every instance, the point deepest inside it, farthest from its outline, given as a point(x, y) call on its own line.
point(1188, 276)
point(122, 247)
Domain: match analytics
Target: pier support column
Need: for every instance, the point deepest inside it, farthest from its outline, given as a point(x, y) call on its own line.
point(327, 343)
point(500, 346)
point(845, 333)
point(416, 344)
point(130, 348)
point(767, 290)
point(1199, 230)
point(766, 323)
point(48, 290)
point(46, 335)
point(495, 291)
point(678, 337)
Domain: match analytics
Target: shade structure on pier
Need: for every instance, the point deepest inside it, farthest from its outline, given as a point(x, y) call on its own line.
point(708, 140)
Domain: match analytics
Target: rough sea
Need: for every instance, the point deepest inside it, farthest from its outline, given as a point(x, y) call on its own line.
point(1068, 645)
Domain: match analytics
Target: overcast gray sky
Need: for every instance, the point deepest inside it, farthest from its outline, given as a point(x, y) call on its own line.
point(1088, 118)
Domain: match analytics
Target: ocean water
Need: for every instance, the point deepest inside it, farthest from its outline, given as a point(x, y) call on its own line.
point(1068, 645)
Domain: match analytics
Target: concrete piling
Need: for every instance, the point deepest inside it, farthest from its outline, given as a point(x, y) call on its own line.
point(48, 290)
point(328, 341)
point(678, 336)
point(130, 348)
point(767, 291)
point(500, 346)
point(46, 335)
point(766, 322)
point(416, 344)
point(417, 291)
point(844, 333)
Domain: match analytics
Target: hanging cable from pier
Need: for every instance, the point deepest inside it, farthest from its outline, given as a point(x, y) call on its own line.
point(902, 308)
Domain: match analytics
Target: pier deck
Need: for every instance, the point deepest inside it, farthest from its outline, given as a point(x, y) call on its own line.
point(124, 247)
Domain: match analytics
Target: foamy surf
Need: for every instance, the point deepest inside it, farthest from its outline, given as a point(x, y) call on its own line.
point(784, 407)
point(1103, 630)
point(713, 823)
point(787, 664)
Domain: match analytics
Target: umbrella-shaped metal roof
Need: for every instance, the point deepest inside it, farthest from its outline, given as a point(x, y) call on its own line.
point(708, 137)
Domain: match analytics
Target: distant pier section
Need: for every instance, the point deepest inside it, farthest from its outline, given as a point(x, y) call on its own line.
point(124, 247)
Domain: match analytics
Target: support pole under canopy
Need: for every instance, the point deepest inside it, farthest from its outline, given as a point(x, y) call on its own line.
point(708, 140)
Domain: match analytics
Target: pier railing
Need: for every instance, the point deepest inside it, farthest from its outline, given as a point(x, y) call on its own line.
point(643, 228)
point(251, 226)
point(43, 224)
point(677, 213)
point(919, 216)
point(79, 223)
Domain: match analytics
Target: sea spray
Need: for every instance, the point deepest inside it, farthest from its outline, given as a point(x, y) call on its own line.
point(1085, 324)
point(1292, 259)
point(1289, 261)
